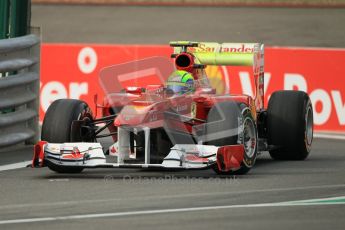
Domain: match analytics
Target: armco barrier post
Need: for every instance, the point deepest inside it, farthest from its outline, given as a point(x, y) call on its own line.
point(34, 123)
point(19, 91)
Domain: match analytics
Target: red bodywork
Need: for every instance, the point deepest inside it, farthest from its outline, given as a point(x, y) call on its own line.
point(147, 108)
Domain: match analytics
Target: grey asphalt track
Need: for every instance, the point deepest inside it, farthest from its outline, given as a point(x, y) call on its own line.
point(139, 25)
point(38, 193)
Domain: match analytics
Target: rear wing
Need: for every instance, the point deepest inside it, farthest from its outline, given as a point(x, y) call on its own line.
point(212, 53)
point(232, 54)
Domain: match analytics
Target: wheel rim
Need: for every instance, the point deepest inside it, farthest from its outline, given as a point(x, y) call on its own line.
point(309, 125)
point(249, 138)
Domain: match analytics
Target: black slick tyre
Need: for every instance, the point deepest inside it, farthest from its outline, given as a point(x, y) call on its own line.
point(56, 127)
point(290, 125)
point(223, 127)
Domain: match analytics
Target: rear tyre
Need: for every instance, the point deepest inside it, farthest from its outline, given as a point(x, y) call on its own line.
point(223, 128)
point(290, 125)
point(56, 127)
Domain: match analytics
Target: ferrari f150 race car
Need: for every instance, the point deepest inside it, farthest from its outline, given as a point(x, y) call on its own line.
point(179, 123)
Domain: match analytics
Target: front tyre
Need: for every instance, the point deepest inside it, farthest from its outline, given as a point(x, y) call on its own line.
point(56, 127)
point(230, 123)
point(290, 125)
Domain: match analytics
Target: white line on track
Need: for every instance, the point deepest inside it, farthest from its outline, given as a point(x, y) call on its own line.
point(14, 165)
point(314, 202)
point(329, 136)
point(160, 197)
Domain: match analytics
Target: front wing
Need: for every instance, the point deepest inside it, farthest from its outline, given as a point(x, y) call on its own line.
point(183, 156)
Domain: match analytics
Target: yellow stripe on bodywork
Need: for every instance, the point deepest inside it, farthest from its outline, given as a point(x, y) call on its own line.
point(239, 59)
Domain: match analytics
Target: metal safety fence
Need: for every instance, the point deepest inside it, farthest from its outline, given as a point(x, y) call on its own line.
point(19, 90)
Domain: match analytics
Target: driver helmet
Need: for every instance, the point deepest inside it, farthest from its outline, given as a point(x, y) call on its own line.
point(181, 82)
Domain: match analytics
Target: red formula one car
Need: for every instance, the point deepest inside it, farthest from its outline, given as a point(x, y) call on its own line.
point(180, 122)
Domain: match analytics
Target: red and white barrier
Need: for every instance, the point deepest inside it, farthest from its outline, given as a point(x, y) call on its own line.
point(71, 71)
